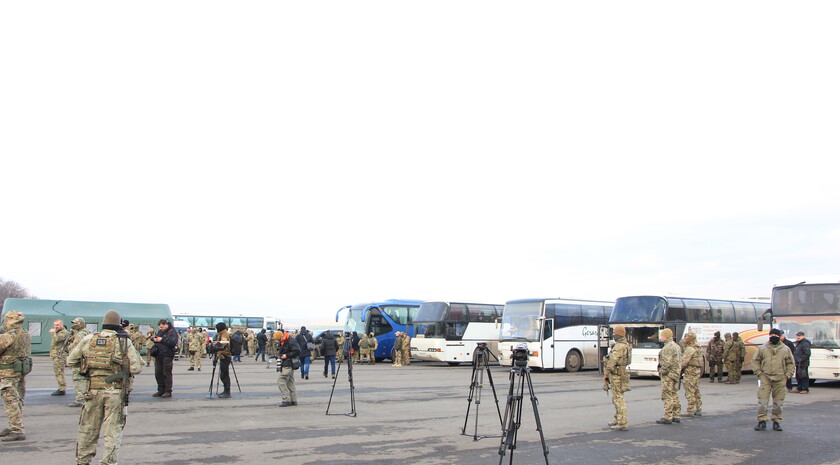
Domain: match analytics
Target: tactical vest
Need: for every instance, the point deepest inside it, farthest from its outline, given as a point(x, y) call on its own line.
point(103, 360)
point(16, 354)
point(364, 343)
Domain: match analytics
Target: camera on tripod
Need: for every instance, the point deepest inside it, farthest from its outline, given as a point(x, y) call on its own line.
point(519, 355)
point(213, 348)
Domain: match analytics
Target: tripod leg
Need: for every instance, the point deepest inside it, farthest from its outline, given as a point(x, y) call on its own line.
point(233, 367)
point(212, 376)
point(534, 404)
point(469, 400)
point(337, 371)
point(495, 397)
point(352, 390)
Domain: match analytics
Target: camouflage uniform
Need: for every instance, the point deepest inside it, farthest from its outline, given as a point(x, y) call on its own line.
point(196, 340)
point(398, 343)
point(149, 344)
point(619, 379)
point(773, 365)
point(339, 338)
point(80, 381)
point(714, 352)
point(736, 355)
point(101, 354)
point(59, 357)
point(252, 343)
point(727, 346)
point(374, 344)
point(15, 345)
point(272, 346)
point(670, 362)
point(364, 348)
point(406, 349)
point(692, 366)
point(137, 338)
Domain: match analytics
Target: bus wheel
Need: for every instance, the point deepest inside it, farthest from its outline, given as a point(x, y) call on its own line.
point(573, 361)
point(453, 364)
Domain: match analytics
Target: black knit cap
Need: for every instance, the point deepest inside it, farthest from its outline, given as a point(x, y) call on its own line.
point(221, 326)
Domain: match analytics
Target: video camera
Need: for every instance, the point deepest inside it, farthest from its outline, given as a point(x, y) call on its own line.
point(213, 348)
point(519, 355)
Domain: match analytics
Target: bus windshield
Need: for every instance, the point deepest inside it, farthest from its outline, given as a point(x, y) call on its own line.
point(815, 299)
point(520, 321)
point(400, 314)
point(823, 334)
point(638, 310)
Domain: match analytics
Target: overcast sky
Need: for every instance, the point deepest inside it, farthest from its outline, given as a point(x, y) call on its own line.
point(290, 158)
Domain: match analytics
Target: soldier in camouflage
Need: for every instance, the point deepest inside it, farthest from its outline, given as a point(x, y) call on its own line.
point(110, 360)
point(670, 363)
point(15, 351)
point(374, 344)
point(196, 340)
point(80, 381)
point(364, 346)
point(137, 338)
point(149, 344)
point(736, 355)
point(58, 354)
point(406, 349)
point(714, 352)
point(727, 346)
point(692, 367)
point(615, 373)
point(398, 342)
point(773, 365)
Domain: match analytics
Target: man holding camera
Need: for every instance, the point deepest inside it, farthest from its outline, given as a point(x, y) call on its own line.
point(166, 340)
point(288, 351)
point(223, 355)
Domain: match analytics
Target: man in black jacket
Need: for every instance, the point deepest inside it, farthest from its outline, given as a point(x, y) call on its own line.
point(802, 358)
point(261, 341)
point(304, 338)
point(329, 347)
point(786, 341)
point(288, 350)
point(165, 341)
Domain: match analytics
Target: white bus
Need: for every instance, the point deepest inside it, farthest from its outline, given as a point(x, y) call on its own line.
point(812, 305)
point(645, 315)
point(449, 331)
point(560, 333)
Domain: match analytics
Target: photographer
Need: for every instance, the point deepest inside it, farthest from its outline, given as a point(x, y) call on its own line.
point(166, 339)
point(288, 353)
point(221, 343)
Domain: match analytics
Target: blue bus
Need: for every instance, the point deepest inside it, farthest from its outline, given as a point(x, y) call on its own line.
point(383, 319)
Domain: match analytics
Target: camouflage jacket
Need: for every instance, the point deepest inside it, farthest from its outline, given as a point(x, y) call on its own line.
point(737, 351)
point(15, 344)
point(715, 350)
point(670, 360)
point(57, 343)
point(619, 358)
point(691, 357)
point(773, 361)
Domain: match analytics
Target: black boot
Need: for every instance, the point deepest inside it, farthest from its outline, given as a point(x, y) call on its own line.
point(777, 426)
point(761, 426)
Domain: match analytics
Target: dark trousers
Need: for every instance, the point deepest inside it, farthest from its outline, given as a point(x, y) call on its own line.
point(163, 373)
point(329, 362)
point(224, 373)
point(260, 351)
point(716, 367)
point(802, 381)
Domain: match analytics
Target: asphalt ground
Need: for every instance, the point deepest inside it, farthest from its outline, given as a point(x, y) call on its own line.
point(414, 415)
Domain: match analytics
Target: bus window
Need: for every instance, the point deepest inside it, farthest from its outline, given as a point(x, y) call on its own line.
point(744, 312)
point(590, 315)
point(378, 324)
point(398, 314)
point(722, 311)
point(698, 311)
point(643, 337)
point(676, 310)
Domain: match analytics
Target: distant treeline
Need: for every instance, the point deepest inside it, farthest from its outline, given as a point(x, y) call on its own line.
point(12, 290)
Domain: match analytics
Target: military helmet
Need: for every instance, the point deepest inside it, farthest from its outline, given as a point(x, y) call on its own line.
point(690, 336)
point(112, 317)
point(14, 317)
point(78, 321)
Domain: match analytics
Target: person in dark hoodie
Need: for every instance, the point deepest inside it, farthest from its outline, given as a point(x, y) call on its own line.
point(329, 347)
point(166, 339)
point(304, 338)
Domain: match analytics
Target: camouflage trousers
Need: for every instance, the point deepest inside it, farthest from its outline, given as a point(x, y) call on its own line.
point(691, 384)
point(195, 358)
point(366, 354)
point(286, 384)
point(58, 369)
point(734, 370)
point(670, 399)
point(80, 385)
point(12, 389)
point(103, 414)
point(716, 369)
point(618, 387)
point(775, 388)
point(398, 357)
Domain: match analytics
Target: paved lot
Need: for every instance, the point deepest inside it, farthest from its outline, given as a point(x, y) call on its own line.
point(413, 415)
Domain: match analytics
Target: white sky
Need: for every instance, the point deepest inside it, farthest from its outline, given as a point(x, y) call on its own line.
point(289, 158)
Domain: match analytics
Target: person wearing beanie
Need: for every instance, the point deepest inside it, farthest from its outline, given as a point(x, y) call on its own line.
point(670, 363)
point(737, 353)
point(374, 344)
point(166, 339)
point(773, 365)
point(802, 358)
point(615, 373)
point(224, 357)
point(714, 352)
point(15, 345)
point(692, 368)
point(80, 382)
point(110, 361)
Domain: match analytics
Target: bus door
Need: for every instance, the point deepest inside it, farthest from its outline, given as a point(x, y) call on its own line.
point(547, 346)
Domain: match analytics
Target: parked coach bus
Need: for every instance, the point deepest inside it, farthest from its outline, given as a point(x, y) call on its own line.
point(644, 316)
point(560, 333)
point(449, 331)
point(383, 319)
point(812, 305)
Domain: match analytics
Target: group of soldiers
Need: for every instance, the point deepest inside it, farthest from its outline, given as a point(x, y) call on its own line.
point(682, 365)
point(402, 349)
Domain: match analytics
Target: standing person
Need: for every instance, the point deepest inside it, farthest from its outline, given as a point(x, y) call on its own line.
point(670, 363)
point(329, 347)
point(736, 358)
point(398, 343)
point(374, 344)
point(305, 341)
point(195, 342)
point(692, 366)
point(58, 354)
point(772, 364)
point(110, 361)
point(802, 357)
point(166, 340)
point(252, 343)
point(272, 346)
point(615, 373)
point(357, 350)
point(15, 351)
point(714, 352)
point(406, 349)
point(137, 338)
point(339, 339)
point(237, 340)
point(287, 351)
point(789, 344)
point(224, 356)
point(727, 346)
point(261, 341)
point(80, 382)
point(149, 344)
point(364, 348)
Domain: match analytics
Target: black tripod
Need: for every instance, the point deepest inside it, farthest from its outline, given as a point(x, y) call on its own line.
point(219, 378)
point(349, 358)
point(520, 373)
point(481, 358)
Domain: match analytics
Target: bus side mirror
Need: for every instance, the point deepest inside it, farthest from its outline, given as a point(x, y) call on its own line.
point(761, 319)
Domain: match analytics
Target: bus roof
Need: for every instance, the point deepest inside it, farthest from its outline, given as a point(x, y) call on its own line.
point(762, 300)
point(563, 299)
point(818, 279)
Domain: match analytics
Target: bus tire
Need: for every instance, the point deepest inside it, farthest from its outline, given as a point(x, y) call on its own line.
point(573, 361)
point(453, 364)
